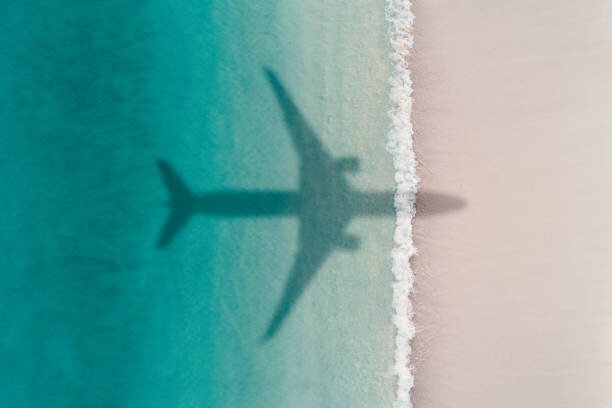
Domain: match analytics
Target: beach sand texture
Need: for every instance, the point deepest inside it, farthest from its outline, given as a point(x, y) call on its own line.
point(512, 114)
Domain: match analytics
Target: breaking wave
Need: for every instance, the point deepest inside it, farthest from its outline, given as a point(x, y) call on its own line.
point(400, 23)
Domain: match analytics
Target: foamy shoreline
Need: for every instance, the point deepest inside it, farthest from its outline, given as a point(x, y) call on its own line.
point(400, 20)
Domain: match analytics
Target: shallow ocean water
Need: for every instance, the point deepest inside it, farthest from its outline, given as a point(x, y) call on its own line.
point(93, 313)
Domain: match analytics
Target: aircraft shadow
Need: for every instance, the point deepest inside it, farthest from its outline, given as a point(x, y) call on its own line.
point(324, 204)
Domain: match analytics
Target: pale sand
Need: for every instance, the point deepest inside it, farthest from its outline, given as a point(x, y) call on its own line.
point(513, 114)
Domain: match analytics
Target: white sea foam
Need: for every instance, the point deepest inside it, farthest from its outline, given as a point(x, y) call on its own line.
point(400, 23)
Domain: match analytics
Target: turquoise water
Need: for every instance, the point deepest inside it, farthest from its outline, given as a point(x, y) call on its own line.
point(93, 314)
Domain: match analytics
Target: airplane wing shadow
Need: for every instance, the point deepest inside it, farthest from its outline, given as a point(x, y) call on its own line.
point(321, 220)
point(307, 262)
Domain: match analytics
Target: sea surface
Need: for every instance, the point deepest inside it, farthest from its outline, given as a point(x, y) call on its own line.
point(95, 94)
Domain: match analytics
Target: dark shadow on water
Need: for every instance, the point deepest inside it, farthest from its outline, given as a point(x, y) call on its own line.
point(324, 204)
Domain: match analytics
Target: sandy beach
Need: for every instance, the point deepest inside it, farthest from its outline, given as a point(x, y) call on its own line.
point(512, 115)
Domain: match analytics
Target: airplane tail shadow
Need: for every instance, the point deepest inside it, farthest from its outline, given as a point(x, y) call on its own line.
point(182, 204)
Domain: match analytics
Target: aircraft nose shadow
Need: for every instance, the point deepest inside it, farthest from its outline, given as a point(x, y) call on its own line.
point(433, 203)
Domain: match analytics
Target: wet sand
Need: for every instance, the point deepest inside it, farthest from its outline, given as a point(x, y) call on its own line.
point(513, 115)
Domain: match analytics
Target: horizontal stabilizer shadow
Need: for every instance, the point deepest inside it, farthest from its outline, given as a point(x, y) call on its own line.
point(182, 204)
